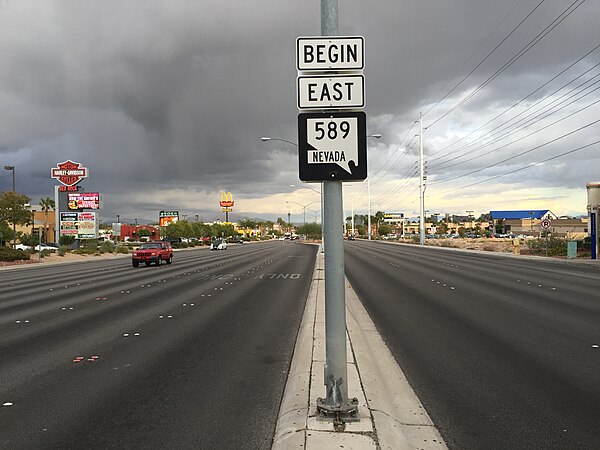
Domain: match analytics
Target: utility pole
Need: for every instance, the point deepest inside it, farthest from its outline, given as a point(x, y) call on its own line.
point(421, 185)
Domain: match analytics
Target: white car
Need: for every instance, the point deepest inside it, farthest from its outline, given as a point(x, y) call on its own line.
point(218, 244)
point(47, 246)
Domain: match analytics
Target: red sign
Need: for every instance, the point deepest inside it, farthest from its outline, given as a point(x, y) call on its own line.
point(84, 200)
point(69, 173)
point(69, 188)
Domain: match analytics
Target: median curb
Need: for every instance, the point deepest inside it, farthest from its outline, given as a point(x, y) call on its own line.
point(391, 416)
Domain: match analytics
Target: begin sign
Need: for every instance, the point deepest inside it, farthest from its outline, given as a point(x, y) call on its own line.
point(335, 53)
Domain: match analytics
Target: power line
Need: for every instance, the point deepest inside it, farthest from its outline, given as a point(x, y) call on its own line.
point(525, 167)
point(397, 148)
point(570, 66)
point(531, 121)
point(537, 147)
point(489, 54)
point(532, 43)
point(530, 134)
point(400, 157)
point(531, 118)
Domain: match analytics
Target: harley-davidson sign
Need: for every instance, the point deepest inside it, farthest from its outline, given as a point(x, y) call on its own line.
point(69, 173)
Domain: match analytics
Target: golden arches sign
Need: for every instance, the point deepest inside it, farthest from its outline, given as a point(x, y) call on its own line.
point(226, 200)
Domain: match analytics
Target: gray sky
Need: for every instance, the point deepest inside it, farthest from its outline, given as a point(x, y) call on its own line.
point(165, 103)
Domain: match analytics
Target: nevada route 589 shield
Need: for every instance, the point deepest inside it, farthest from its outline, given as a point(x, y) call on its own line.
point(332, 146)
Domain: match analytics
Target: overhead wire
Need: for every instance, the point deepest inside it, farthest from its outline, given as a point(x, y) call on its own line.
point(397, 148)
point(583, 147)
point(537, 147)
point(533, 118)
point(488, 55)
point(532, 43)
point(570, 66)
point(528, 135)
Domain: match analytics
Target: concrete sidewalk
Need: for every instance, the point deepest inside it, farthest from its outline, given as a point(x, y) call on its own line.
point(391, 416)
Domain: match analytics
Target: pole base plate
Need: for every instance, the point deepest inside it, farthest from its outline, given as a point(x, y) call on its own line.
point(339, 414)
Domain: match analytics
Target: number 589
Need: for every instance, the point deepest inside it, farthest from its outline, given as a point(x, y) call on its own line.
point(331, 130)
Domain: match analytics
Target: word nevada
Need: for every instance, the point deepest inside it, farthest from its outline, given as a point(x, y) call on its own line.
point(326, 156)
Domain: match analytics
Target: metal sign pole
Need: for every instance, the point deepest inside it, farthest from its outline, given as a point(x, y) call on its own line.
point(336, 373)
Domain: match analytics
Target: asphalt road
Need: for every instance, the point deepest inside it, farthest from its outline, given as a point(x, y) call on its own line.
point(190, 355)
point(502, 352)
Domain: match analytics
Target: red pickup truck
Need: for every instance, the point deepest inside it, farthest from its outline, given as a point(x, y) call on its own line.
point(152, 252)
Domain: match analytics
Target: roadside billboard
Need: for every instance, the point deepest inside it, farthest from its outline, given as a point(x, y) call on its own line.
point(83, 200)
point(393, 217)
point(80, 225)
point(165, 218)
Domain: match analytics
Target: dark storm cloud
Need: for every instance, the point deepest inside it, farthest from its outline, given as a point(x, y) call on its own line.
point(157, 97)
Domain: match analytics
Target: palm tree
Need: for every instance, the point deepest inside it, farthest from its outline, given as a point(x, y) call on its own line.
point(282, 225)
point(47, 204)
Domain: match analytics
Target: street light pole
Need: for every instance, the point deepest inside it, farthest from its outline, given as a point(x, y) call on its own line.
point(322, 203)
point(303, 207)
point(421, 190)
point(376, 136)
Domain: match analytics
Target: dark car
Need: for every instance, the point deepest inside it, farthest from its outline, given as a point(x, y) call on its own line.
point(152, 252)
point(218, 244)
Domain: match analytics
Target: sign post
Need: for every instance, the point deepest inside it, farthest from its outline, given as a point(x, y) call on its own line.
point(332, 149)
point(68, 173)
point(226, 202)
point(545, 224)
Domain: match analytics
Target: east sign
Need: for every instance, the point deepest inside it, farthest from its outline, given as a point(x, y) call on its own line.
point(327, 92)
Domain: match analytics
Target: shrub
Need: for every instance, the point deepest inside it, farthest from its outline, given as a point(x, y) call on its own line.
point(90, 244)
point(62, 250)
point(85, 251)
point(30, 239)
point(66, 240)
point(122, 249)
point(9, 254)
point(556, 246)
point(107, 247)
point(46, 252)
